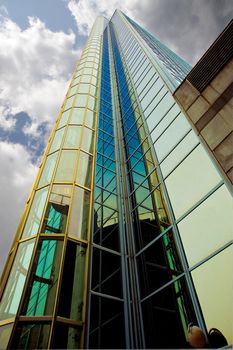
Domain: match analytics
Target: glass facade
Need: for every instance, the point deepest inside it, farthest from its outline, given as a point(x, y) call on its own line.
point(127, 235)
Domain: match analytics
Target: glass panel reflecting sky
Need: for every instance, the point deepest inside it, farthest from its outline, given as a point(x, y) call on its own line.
point(14, 288)
point(208, 227)
point(35, 213)
point(189, 183)
point(213, 283)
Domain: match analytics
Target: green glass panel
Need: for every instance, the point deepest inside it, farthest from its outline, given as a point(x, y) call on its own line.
point(47, 172)
point(35, 213)
point(66, 166)
point(76, 80)
point(90, 119)
point(72, 139)
point(87, 140)
point(86, 78)
point(93, 90)
point(94, 81)
point(84, 169)
point(56, 143)
point(80, 213)
point(64, 119)
point(72, 288)
point(69, 102)
point(31, 336)
point(41, 291)
point(77, 116)
point(73, 90)
point(83, 88)
point(57, 209)
point(81, 100)
point(14, 287)
point(87, 71)
point(94, 72)
point(91, 102)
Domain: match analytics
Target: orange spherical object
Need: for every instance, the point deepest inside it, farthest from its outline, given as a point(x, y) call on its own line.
point(196, 337)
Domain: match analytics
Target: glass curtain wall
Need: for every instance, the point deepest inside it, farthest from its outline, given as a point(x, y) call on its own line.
point(43, 300)
point(155, 244)
point(106, 295)
point(127, 235)
point(176, 66)
point(199, 203)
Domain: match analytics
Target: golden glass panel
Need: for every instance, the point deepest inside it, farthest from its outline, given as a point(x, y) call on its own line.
point(35, 213)
point(64, 119)
point(88, 140)
point(69, 102)
point(83, 88)
point(73, 90)
point(56, 143)
point(77, 116)
point(90, 119)
point(91, 102)
point(93, 81)
point(84, 169)
point(87, 71)
point(81, 100)
point(76, 81)
point(80, 213)
point(72, 139)
point(47, 172)
point(93, 90)
point(66, 166)
point(86, 79)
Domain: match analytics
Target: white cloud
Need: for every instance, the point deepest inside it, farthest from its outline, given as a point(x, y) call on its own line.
point(6, 122)
point(187, 27)
point(16, 177)
point(85, 11)
point(35, 68)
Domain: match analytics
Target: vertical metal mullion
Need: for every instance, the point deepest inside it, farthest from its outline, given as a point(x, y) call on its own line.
point(137, 319)
point(90, 245)
point(120, 199)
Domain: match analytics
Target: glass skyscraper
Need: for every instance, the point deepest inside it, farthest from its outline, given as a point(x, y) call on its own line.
point(126, 237)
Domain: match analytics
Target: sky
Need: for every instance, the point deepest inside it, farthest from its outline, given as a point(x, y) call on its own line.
point(41, 42)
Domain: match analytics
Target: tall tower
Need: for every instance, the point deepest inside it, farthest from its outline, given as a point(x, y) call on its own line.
point(126, 237)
